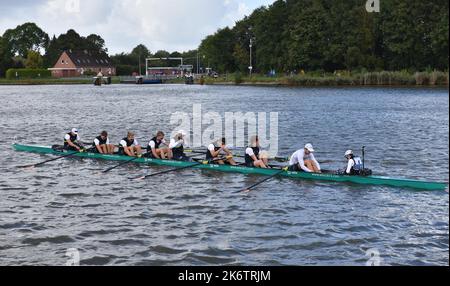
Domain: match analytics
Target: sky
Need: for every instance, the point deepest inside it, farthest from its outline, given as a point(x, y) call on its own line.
point(172, 25)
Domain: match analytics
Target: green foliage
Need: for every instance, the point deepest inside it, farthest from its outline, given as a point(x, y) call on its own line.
point(238, 78)
point(34, 60)
point(141, 51)
point(218, 50)
point(335, 35)
point(27, 73)
point(5, 57)
point(26, 37)
point(72, 41)
point(90, 73)
point(126, 70)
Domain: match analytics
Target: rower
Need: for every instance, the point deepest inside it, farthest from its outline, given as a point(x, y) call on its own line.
point(219, 148)
point(129, 146)
point(354, 165)
point(72, 141)
point(177, 146)
point(303, 160)
point(102, 145)
point(254, 157)
point(154, 149)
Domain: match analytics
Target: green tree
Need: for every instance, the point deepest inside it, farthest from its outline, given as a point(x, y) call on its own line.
point(142, 51)
point(308, 35)
point(95, 43)
point(26, 37)
point(218, 50)
point(5, 57)
point(72, 41)
point(241, 57)
point(162, 54)
point(34, 60)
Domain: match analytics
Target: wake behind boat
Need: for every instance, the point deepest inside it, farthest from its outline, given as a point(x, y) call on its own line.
point(363, 180)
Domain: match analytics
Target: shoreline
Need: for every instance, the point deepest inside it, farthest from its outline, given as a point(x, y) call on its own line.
point(244, 84)
point(366, 80)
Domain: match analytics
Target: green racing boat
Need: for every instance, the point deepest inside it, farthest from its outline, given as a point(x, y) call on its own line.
point(364, 180)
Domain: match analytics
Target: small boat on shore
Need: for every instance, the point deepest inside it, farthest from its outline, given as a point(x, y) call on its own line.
point(363, 180)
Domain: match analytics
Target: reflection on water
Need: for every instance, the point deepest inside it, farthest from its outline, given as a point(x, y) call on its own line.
point(193, 217)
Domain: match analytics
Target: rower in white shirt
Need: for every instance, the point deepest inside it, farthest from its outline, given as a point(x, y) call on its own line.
point(72, 141)
point(177, 146)
point(254, 157)
point(155, 147)
point(219, 148)
point(129, 146)
point(101, 144)
point(303, 160)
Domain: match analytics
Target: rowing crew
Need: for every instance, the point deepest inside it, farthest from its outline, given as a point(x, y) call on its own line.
point(302, 160)
point(157, 147)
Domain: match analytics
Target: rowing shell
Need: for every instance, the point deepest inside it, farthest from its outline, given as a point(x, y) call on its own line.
point(370, 180)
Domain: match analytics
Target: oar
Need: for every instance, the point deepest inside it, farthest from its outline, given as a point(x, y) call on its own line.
point(176, 169)
point(279, 159)
point(262, 181)
point(54, 159)
point(121, 164)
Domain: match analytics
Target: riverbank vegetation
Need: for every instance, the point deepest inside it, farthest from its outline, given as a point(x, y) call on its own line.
point(302, 42)
point(327, 36)
point(403, 78)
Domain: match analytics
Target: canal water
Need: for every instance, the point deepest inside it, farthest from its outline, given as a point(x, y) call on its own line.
point(51, 214)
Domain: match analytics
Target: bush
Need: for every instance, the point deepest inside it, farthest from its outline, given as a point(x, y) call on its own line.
point(89, 73)
point(438, 78)
point(422, 78)
point(125, 70)
point(27, 73)
point(238, 78)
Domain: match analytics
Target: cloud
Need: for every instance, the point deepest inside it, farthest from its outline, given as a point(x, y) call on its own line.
point(171, 24)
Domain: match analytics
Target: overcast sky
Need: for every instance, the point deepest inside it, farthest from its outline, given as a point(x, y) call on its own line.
point(173, 25)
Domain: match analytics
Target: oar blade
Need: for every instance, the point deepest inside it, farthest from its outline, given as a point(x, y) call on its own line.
point(27, 167)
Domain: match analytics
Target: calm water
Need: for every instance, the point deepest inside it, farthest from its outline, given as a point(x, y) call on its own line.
point(193, 217)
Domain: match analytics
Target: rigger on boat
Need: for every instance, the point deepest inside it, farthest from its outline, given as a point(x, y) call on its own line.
point(218, 157)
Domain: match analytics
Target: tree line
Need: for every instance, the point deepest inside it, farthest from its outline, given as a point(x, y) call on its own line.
point(287, 36)
point(28, 46)
point(323, 35)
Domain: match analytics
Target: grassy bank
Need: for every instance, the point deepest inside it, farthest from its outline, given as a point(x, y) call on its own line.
point(51, 81)
point(434, 78)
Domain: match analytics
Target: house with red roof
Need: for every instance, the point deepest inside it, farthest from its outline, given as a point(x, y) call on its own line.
point(78, 63)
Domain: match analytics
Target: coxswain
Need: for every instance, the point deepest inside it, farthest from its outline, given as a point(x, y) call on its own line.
point(354, 164)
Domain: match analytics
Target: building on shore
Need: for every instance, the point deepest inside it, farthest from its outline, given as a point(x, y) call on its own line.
point(79, 63)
